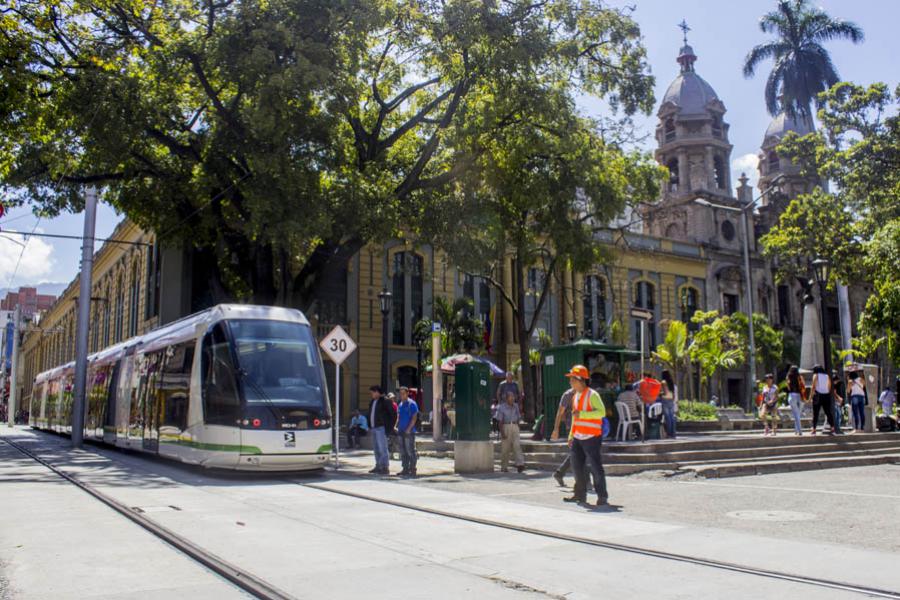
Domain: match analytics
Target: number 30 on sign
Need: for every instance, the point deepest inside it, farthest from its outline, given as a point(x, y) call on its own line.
point(338, 345)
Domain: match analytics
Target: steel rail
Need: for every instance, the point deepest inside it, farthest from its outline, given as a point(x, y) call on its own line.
point(661, 554)
point(239, 577)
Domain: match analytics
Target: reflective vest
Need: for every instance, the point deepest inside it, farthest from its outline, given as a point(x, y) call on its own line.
point(581, 425)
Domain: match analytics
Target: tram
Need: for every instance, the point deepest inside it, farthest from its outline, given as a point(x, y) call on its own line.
point(231, 387)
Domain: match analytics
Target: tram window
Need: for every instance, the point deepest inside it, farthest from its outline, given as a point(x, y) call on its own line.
point(279, 363)
point(221, 404)
point(175, 384)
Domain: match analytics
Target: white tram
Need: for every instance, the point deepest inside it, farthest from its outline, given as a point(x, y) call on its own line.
point(232, 387)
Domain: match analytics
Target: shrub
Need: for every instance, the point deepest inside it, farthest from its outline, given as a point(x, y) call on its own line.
point(696, 411)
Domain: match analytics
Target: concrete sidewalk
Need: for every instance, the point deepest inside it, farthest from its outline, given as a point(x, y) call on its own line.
point(318, 544)
point(58, 542)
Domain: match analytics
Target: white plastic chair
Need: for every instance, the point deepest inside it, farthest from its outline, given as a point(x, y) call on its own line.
point(655, 410)
point(626, 421)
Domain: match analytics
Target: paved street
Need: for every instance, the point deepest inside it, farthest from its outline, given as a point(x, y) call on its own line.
point(313, 543)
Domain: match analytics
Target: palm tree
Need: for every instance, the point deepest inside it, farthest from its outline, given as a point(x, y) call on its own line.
point(802, 67)
point(674, 353)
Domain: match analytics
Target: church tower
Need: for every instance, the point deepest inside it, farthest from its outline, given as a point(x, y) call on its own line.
point(692, 142)
point(779, 172)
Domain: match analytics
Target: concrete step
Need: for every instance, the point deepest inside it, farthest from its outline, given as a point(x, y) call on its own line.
point(786, 465)
point(715, 455)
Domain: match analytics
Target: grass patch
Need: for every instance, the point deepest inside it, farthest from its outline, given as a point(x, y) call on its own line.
point(689, 410)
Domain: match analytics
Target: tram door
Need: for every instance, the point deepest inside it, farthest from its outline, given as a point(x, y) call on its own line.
point(109, 416)
point(126, 383)
point(151, 398)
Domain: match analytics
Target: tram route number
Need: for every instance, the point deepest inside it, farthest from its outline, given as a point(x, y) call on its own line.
point(338, 345)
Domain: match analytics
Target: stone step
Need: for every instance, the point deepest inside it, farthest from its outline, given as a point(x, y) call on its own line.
point(727, 468)
point(715, 454)
point(786, 465)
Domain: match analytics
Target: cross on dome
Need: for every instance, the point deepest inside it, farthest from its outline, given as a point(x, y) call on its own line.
point(683, 26)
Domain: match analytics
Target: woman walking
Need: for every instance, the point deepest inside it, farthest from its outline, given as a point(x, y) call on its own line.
point(858, 402)
point(796, 397)
point(822, 401)
point(668, 396)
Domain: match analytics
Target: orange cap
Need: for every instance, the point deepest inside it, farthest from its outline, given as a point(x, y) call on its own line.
point(579, 371)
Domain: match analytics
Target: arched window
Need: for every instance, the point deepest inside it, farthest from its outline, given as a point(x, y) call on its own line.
point(107, 316)
point(673, 231)
point(672, 165)
point(95, 329)
point(645, 297)
point(689, 300)
point(719, 167)
point(717, 127)
point(774, 164)
point(134, 300)
point(728, 231)
point(669, 130)
point(120, 309)
point(594, 304)
point(407, 288)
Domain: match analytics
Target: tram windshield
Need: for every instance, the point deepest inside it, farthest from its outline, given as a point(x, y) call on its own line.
point(279, 363)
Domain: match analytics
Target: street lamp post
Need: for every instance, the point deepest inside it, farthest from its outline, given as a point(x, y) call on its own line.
point(572, 330)
point(821, 269)
point(748, 279)
point(420, 343)
point(385, 299)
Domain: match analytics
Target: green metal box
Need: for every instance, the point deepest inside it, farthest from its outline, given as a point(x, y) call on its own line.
point(473, 402)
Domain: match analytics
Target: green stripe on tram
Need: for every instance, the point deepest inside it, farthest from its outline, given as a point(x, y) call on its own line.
point(213, 447)
point(323, 449)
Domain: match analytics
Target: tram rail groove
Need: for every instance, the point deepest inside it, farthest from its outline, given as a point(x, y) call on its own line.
point(661, 554)
point(239, 577)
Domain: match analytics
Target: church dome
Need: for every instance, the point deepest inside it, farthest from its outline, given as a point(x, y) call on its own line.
point(782, 124)
point(689, 92)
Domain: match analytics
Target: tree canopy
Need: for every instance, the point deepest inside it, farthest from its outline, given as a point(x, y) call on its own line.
point(856, 227)
point(276, 137)
point(802, 66)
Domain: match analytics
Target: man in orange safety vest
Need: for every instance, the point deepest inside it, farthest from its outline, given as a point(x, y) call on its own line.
point(586, 437)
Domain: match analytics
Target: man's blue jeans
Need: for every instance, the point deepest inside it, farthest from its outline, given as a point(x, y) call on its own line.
point(380, 443)
point(668, 407)
point(408, 451)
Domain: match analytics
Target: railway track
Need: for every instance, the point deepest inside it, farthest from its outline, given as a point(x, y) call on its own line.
point(649, 552)
point(262, 589)
point(242, 579)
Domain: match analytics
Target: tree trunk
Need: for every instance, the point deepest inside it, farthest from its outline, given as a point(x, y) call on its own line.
point(528, 383)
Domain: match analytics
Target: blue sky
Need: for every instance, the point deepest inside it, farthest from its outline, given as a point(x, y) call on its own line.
point(722, 31)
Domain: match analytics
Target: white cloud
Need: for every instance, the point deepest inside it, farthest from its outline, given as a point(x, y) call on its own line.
point(747, 163)
point(37, 260)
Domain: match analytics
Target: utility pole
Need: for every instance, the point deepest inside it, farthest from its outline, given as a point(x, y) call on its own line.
point(84, 313)
point(13, 379)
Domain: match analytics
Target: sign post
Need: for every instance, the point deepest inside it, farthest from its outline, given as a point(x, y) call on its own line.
point(643, 315)
point(436, 387)
point(338, 345)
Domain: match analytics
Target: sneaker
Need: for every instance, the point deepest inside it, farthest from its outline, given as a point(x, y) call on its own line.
point(574, 499)
point(403, 473)
point(602, 502)
point(520, 468)
point(559, 479)
point(375, 471)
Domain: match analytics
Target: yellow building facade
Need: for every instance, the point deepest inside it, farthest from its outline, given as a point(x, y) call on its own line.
point(136, 288)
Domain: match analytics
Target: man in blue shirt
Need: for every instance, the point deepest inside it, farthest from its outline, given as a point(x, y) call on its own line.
point(407, 416)
point(358, 428)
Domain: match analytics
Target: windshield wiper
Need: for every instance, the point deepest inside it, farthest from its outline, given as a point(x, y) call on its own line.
point(245, 377)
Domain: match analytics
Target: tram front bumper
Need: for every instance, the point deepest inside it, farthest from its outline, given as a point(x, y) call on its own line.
point(282, 462)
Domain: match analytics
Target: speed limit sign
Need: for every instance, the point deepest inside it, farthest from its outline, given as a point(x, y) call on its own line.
point(338, 345)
